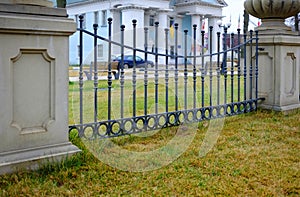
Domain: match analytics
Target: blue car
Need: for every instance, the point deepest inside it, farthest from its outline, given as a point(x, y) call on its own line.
point(128, 62)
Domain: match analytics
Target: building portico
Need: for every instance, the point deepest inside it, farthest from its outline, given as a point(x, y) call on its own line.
point(185, 13)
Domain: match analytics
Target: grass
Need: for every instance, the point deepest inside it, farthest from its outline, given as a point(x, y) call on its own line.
point(88, 97)
point(256, 154)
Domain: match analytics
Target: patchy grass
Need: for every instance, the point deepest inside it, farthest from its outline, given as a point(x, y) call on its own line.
point(102, 97)
point(256, 154)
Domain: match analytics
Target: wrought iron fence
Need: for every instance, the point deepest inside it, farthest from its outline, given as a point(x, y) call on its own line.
point(204, 86)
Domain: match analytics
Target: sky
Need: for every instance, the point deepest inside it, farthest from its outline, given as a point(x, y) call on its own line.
point(235, 9)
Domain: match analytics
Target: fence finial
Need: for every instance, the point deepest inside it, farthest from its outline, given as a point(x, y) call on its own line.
point(176, 25)
point(122, 27)
point(134, 22)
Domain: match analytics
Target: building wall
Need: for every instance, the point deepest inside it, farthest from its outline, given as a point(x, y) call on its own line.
point(120, 10)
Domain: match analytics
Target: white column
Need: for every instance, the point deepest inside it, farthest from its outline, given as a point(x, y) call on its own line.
point(131, 12)
point(163, 19)
point(116, 30)
point(196, 20)
point(146, 19)
point(163, 24)
point(178, 20)
point(128, 14)
point(213, 22)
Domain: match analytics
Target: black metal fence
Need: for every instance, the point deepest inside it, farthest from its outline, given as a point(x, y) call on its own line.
point(203, 86)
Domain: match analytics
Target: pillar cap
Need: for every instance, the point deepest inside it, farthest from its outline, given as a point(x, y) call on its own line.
point(45, 3)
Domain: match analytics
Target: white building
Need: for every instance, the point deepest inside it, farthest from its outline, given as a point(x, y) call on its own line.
point(167, 12)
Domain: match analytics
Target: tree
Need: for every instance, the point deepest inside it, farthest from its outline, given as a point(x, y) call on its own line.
point(246, 21)
point(61, 3)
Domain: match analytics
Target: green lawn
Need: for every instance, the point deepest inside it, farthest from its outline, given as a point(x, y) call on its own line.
point(256, 154)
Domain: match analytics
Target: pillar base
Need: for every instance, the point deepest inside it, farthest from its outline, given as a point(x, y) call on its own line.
point(34, 158)
point(285, 109)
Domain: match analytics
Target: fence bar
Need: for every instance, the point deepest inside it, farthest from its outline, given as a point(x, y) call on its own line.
point(232, 68)
point(109, 77)
point(176, 66)
point(245, 67)
point(167, 70)
point(210, 65)
point(134, 70)
point(81, 18)
point(224, 65)
point(202, 69)
point(251, 64)
point(95, 74)
point(146, 73)
point(156, 67)
point(256, 65)
point(194, 65)
point(185, 70)
point(218, 68)
point(239, 65)
point(208, 109)
point(121, 68)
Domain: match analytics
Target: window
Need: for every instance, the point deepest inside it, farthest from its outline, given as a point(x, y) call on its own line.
point(100, 50)
point(96, 17)
point(152, 20)
point(138, 59)
point(104, 17)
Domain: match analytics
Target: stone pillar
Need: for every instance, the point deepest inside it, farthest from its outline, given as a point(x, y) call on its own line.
point(33, 84)
point(279, 65)
point(279, 54)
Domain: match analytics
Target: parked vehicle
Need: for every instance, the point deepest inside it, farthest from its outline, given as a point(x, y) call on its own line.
point(128, 62)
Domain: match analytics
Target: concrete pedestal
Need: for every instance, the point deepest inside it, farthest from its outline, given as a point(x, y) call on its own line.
point(33, 85)
point(279, 70)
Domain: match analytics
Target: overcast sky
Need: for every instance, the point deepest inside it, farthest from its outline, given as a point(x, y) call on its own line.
point(235, 9)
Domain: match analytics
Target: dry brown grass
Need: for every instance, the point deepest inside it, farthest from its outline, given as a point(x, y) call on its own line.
point(256, 155)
